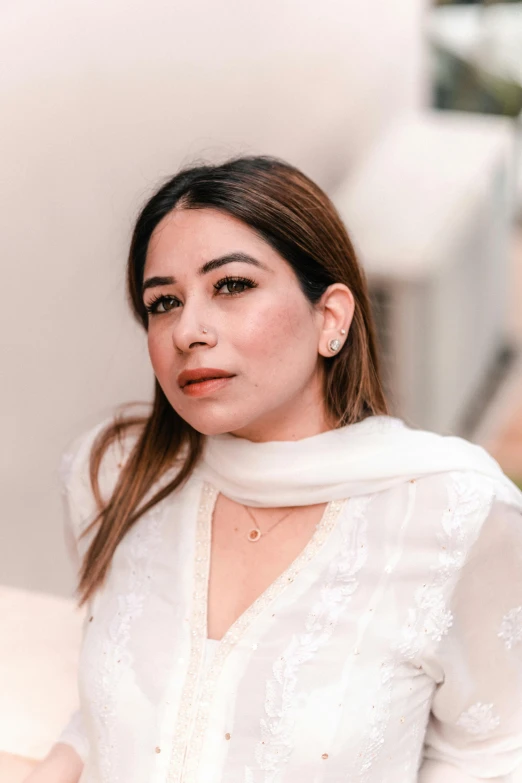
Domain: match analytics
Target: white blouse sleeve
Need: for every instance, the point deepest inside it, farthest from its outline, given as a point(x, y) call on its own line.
point(73, 733)
point(79, 508)
point(475, 726)
point(73, 479)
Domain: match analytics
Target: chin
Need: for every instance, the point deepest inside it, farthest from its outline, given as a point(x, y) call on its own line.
point(217, 424)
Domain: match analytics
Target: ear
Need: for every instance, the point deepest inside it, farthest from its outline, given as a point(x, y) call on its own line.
point(336, 308)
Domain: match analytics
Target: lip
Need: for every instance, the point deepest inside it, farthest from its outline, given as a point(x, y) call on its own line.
point(201, 374)
point(210, 386)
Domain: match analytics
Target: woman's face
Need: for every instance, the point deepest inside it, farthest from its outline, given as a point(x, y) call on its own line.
point(262, 332)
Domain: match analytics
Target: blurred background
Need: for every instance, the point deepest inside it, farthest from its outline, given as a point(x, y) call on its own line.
point(408, 114)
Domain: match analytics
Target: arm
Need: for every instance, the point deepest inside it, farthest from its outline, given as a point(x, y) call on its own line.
point(475, 727)
point(65, 760)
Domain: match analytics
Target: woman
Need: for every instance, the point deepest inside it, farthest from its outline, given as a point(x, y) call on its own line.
point(284, 583)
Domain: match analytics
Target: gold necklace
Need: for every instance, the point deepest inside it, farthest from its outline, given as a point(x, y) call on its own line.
point(255, 533)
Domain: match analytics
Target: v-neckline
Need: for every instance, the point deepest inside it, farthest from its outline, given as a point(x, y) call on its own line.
point(208, 500)
point(203, 672)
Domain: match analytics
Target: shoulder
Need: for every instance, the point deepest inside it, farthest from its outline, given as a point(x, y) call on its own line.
point(74, 465)
point(454, 508)
point(392, 452)
point(465, 470)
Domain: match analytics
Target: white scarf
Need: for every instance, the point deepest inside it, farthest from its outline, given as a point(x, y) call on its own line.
point(356, 459)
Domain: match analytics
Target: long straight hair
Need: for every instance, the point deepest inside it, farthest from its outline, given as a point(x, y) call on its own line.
point(298, 220)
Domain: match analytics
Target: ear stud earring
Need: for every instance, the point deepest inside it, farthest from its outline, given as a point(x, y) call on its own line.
point(343, 331)
point(334, 345)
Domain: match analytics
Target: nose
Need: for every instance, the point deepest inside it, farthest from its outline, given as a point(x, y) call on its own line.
point(187, 332)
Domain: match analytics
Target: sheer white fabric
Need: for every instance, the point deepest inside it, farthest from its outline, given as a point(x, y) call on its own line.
point(390, 651)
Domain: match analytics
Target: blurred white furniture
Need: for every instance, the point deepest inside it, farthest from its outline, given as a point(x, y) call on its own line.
point(429, 210)
point(38, 663)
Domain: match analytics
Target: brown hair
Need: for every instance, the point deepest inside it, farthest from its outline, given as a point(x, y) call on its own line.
point(299, 221)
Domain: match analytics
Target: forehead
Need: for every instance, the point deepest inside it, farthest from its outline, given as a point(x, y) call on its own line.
point(188, 237)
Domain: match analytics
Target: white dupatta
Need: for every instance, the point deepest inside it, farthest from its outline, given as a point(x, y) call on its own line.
point(356, 459)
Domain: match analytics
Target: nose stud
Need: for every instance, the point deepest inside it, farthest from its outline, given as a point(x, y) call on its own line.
point(204, 330)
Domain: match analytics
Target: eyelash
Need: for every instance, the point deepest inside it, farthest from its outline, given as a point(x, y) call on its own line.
point(151, 308)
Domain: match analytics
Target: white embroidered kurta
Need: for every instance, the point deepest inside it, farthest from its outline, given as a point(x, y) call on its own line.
point(390, 650)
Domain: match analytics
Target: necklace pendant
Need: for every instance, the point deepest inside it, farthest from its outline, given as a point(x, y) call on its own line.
point(254, 534)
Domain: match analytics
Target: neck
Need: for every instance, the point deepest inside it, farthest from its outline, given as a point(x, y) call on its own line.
point(280, 432)
point(304, 418)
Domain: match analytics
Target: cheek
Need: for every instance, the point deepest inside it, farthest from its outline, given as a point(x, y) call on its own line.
point(275, 332)
point(158, 346)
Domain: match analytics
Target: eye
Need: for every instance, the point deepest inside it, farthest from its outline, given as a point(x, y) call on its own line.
point(161, 304)
point(237, 284)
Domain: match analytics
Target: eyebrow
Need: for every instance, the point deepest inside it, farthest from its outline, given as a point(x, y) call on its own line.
point(215, 263)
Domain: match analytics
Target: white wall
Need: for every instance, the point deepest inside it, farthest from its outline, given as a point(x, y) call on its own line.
point(98, 101)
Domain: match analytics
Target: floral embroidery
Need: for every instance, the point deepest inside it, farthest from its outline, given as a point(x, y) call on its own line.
point(438, 619)
point(187, 746)
point(511, 628)
point(479, 719)
point(429, 618)
point(275, 746)
point(381, 715)
point(113, 654)
point(461, 522)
